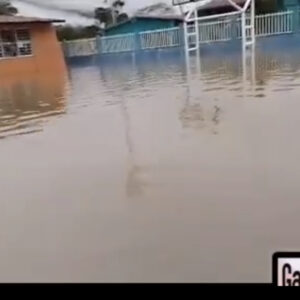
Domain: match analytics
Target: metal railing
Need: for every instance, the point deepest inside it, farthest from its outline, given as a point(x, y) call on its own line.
point(275, 23)
point(84, 47)
point(220, 30)
point(230, 28)
point(170, 37)
point(217, 31)
point(117, 43)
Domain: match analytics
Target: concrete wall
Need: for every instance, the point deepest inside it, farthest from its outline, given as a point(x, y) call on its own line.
point(47, 52)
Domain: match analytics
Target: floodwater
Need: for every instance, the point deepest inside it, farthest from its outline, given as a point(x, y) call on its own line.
point(130, 168)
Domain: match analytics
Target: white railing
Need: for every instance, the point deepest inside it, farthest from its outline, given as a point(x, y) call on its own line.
point(224, 29)
point(118, 43)
point(170, 37)
point(84, 47)
point(230, 28)
point(275, 23)
point(218, 31)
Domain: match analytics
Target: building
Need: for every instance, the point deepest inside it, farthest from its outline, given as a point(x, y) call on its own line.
point(28, 45)
point(262, 6)
point(140, 23)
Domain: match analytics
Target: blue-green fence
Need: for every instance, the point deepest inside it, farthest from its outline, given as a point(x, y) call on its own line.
point(218, 30)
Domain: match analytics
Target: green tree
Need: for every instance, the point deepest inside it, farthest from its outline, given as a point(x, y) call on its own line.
point(6, 8)
point(122, 18)
point(268, 6)
point(68, 32)
point(111, 14)
point(104, 15)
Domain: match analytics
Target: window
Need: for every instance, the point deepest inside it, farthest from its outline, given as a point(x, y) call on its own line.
point(14, 43)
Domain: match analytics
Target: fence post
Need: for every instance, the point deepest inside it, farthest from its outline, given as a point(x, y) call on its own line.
point(296, 18)
point(64, 47)
point(138, 44)
point(234, 28)
point(98, 44)
point(181, 35)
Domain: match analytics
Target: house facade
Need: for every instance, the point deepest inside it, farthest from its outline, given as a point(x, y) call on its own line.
point(28, 45)
point(141, 23)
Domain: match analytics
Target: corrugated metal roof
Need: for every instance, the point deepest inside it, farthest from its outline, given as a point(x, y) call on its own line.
point(160, 17)
point(220, 3)
point(21, 19)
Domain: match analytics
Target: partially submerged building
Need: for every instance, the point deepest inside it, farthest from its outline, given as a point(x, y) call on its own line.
point(28, 44)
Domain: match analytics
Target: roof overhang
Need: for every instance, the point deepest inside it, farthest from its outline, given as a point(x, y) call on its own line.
point(27, 20)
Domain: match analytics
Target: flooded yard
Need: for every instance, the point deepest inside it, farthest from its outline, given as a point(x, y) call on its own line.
point(129, 168)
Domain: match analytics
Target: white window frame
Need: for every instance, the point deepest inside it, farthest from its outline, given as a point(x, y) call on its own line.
point(14, 30)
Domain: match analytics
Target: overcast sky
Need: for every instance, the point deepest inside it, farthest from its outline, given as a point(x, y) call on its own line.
point(60, 8)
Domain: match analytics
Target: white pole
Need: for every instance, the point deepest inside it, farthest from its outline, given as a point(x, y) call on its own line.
point(253, 64)
point(244, 37)
point(246, 5)
point(244, 69)
point(197, 31)
point(244, 58)
point(253, 21)
point(237, 7)
point(198, 64)
point(186, 40)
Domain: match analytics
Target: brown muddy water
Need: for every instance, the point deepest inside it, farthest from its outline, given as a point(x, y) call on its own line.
point(130, 169)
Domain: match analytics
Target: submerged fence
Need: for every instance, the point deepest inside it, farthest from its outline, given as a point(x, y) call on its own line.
point(231, 28)
point(83, 47)
point(220, 30)
point(277, 23)
point(118, 43)
point(160, 38)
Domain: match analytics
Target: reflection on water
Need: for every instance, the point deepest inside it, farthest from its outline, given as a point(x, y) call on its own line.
point(28, 100)
point(154, 172)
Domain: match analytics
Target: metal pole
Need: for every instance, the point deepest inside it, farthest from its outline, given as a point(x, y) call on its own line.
point(253, 65)
point(197, 31)
point(244, 48)
point(244, 37)
point(237, 7)
point(253, 21)
point(186, 40)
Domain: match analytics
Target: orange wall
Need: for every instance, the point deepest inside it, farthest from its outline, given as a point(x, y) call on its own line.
point(42, 77)
point(47, 52)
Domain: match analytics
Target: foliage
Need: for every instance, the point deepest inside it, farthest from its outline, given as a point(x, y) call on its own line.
point(111, 15)
point(6, 8)
point(122, 18)
point(68, 32)
point(104, 15)
point(267, 6)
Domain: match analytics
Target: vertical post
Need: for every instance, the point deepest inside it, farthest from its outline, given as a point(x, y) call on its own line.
point(253, 21)
point(244, 66)
point(295, 17)
point(253, 64)
point(197, 33)
point(244, 37)
point(244, 48)
point(98, 44)
point(137, 41)
point(186, 40)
